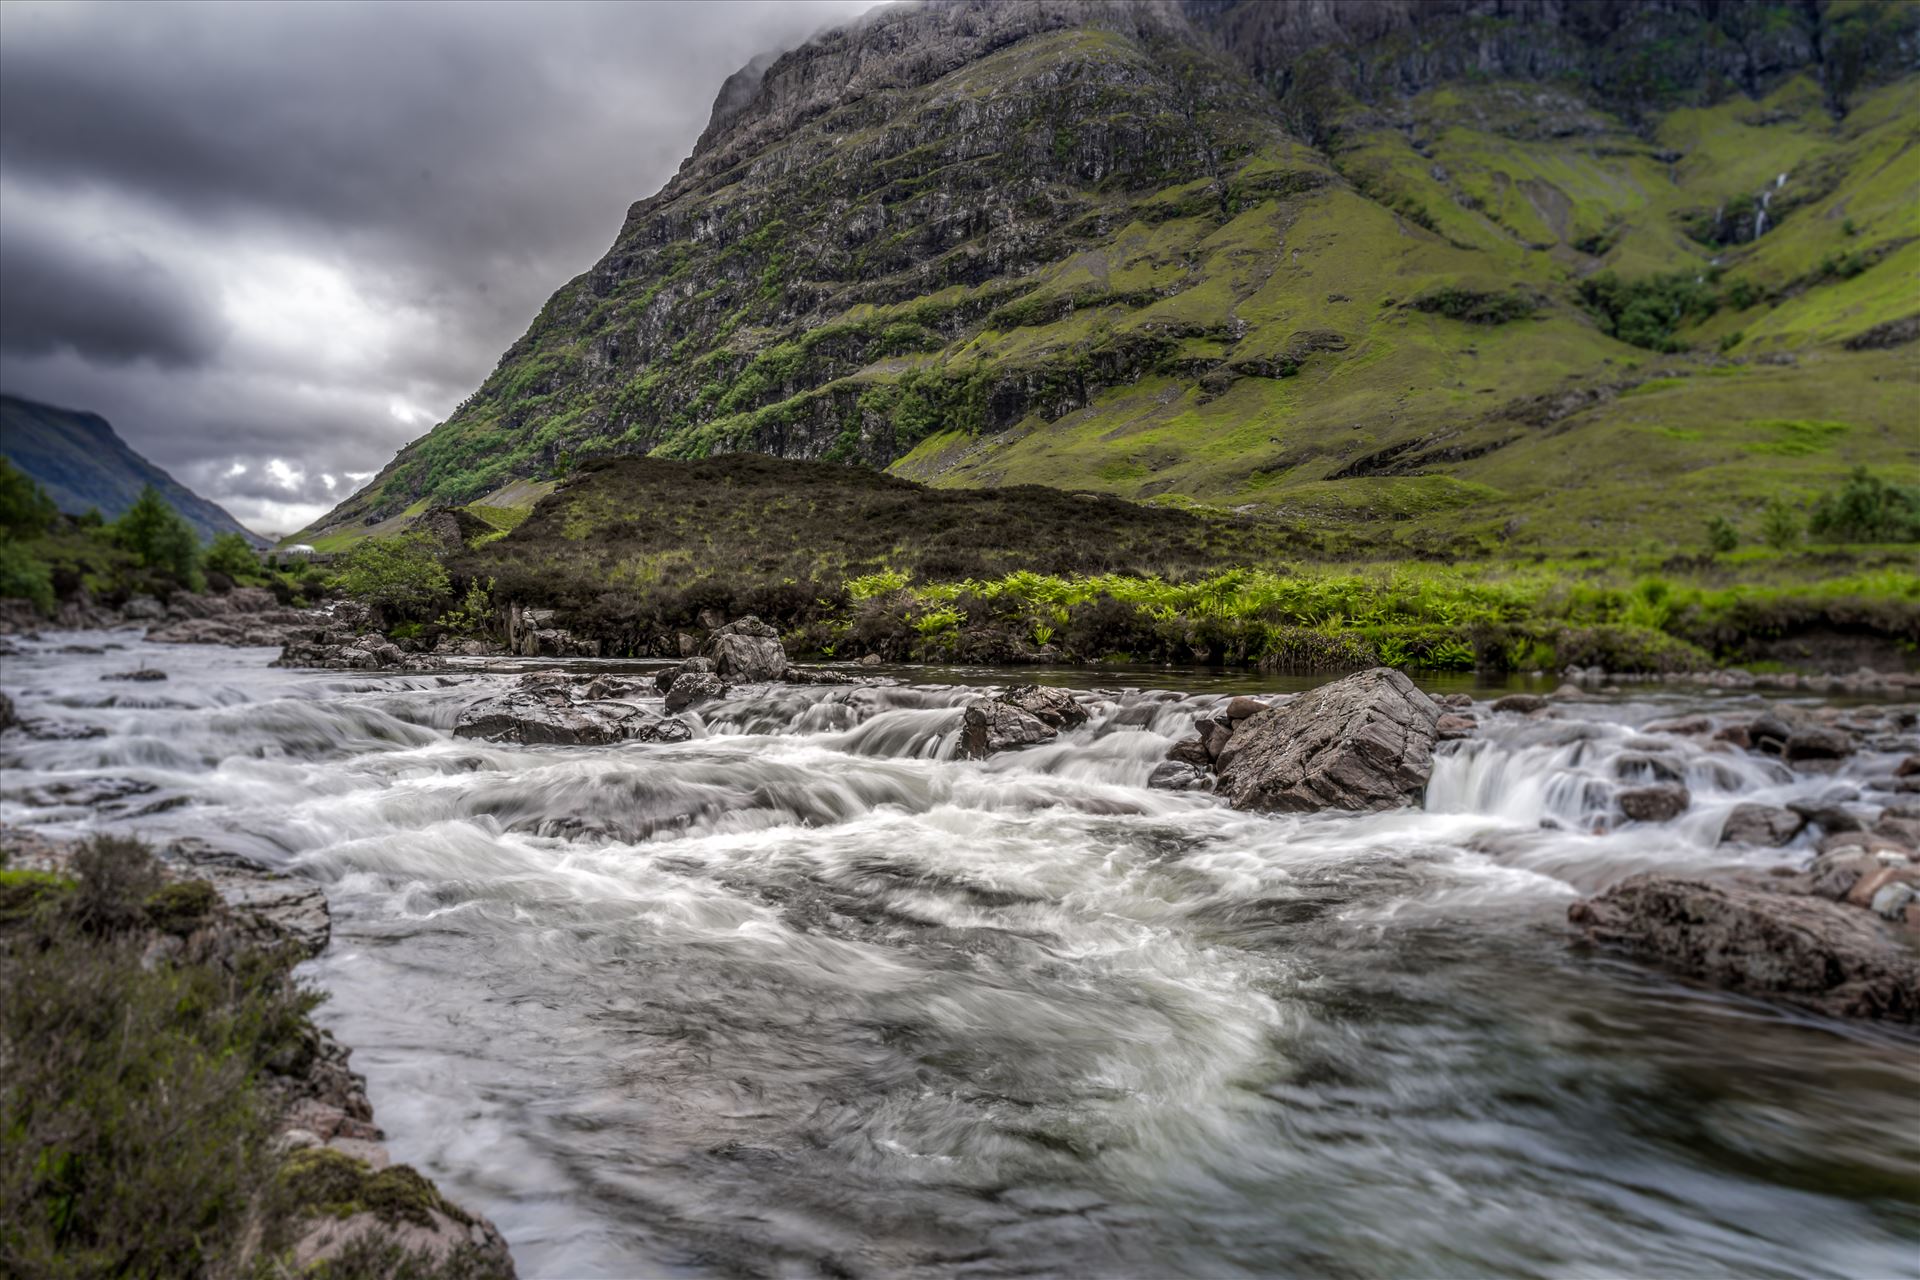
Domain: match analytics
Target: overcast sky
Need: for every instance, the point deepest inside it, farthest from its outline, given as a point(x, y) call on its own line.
point(274, 242)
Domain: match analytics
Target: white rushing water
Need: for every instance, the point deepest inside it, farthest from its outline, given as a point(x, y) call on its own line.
point(808, 996)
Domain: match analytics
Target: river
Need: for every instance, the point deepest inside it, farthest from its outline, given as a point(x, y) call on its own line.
point(808, 996)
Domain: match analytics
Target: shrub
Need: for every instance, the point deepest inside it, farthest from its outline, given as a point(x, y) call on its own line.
point(402, 577)
point(474, 614)
point(1779, 525)
point(25, 576)
point(1646, 312)
point(1868, 509)
point(1722, 537)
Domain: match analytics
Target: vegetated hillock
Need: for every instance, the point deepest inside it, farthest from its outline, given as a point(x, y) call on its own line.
point(639, 544)
point(1231, 252)
point(84, 465)
point(848, 562)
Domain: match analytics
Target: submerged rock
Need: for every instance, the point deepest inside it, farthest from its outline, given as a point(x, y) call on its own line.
point(1761, 940)
point(1365, 742)
point(1520, 703)
point(1661, 802)
point(1177, 775)
point(144, 674)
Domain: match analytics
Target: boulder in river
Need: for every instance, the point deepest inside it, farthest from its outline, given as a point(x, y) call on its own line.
point(1761, 940)
point(1364, 742)
point(144, 674)
point(693, 687)
point(1761, 824)
point(1817, 743)
point(1520, 703)
point(990, 726)
point(747, 650)
point(548, 716)
point(8, 716)
point(1660, 802)
point(1048, 705)
point(1178, 775)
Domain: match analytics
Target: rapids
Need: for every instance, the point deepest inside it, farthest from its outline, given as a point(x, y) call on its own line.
point(806, 995)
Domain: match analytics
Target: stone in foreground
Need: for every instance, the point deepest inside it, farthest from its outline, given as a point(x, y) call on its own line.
point(1362, 743)
point(1760, 940)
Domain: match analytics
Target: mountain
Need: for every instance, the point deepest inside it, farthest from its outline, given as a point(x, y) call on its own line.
point(1517, 272)
point(84, 465)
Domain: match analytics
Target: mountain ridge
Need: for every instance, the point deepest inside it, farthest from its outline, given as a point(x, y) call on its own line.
point(1063, 243)
point(83, 464)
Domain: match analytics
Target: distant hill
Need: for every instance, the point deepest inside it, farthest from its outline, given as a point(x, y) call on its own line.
point(83, 465)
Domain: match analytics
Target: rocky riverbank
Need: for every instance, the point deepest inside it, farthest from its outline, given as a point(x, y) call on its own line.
point(334, 1194)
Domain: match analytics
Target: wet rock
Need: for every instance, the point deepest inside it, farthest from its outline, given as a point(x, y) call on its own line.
point(603, 687)
point(1454, 701)
point(869, 659)
point(1761, 939)
point(1735, 735)
point(8, 716)
point(990, 726)
point(144, 675)
point(1866, 841)
point(296, 907)
point(1907, 768)
point(1869, 886)
point(1817, 744)
point(692, 666)
point(1177, 775)
point(1892, 901)
point(1570, 693)
point(1244, 708)
point(1452, 727)
point(549, 716)
point(1365, 742)
point(748, 651)
point(1682, 727)
point(1048, 705)
point(1218, 733)
point(1833, 875)
point(694, 688)
point(1632, 765)
point(1828, 817)
point(1761, 824)
point(1191, 750)
point(1659, 803)
point(1520, 703)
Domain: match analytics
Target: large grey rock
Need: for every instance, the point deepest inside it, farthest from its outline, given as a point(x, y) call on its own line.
point(1762, 940)
point(1046, 704)
point(692, 688)
point(747, 650)
point(1365, 742)
point(1178, 775)
point(990, 726)
point(549, 716)
point(1761, 824)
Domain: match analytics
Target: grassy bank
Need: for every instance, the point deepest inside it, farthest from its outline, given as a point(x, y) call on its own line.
point(149, 1042)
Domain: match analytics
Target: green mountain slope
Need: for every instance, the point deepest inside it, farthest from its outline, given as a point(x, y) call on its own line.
point(84, 465)
point(1518, 274)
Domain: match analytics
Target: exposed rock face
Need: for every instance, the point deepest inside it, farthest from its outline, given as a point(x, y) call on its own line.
point(1761, 824)
point(1365, 742)
point(747, 651)
point(1761, 940)
point(547, 714)
point(243, 616)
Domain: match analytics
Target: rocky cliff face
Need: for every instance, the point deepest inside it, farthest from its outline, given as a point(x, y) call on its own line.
point(1097, 245)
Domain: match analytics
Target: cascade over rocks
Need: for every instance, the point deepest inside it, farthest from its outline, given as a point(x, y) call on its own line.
point(1017, 717)
point(1365, 742)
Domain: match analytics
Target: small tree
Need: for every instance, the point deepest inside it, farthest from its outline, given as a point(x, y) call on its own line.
point(159, 537)
point(1722, 537)
point(1779, 525)
point(25, 509)
point(230, 554)
point(400, 576)
point(474, 616)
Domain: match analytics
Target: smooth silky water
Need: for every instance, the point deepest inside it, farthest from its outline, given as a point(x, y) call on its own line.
point(807, 995)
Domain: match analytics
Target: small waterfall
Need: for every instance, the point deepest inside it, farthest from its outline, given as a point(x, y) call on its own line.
point(1766, 201)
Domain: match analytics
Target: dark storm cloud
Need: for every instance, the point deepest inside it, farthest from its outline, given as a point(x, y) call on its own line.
point(107, 302)
point(304, 232)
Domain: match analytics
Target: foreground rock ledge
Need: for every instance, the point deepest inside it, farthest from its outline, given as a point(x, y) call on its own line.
point(1362, 743)
point(1761, 940)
